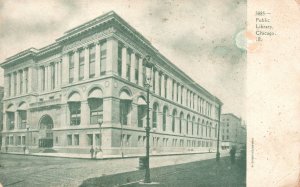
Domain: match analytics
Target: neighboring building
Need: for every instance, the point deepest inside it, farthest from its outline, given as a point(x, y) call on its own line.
point(1, 113)
point(55, 96)
point(233, 132)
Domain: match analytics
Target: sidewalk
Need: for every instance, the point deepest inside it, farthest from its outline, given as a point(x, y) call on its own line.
point(102, 157)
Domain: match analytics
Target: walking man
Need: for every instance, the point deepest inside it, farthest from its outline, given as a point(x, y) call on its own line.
point(92, 152)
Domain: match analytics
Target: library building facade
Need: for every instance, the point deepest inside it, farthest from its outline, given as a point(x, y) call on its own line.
point(87, 90)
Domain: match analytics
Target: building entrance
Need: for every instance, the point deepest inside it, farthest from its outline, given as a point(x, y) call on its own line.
point(46, 134)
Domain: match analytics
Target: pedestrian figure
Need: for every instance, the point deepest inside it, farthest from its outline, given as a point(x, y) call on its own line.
point(92, 152)
point(24, 149)
point(232, 155)
point(6, 148)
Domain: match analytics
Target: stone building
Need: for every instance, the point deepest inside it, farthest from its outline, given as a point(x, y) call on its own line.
point(233, 132)
point(56, 95)
point(1, 112)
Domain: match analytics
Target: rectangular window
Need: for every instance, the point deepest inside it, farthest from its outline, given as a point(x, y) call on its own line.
point(81, 64)
point(177, 93)
point(181, 94)
point(11, 140)
point(128, 64)
point(9, 85)
point(153, 80)
point(22, 119)
point(52, 76)
point(43, 77)
point(96, 109)
point(136, 71)
point(71, 67)
point(18, 140)
point(142, 109)
point(21, 81)
point(75, 113)
point(10, 120)
point(26, 80)
point(159, 84)
point(15, 83)
point(103, 49)
point(166, 87)
point(90, 139)
point(120, 46)
point(69, 139)
point(76, 139)
point(23, 140)
point(92, 59)
point(125, 107)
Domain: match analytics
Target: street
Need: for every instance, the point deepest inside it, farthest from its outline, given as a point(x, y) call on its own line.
point(21, 170)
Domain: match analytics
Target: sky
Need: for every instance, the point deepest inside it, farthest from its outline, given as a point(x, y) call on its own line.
point(202, 38)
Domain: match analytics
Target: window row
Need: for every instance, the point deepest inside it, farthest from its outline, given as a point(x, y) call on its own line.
point(17, 82)
point(84, 63)
point(21, 119)
point(50, 76)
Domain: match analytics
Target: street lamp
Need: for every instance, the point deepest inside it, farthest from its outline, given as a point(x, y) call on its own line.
point(218, 141)
point(100, 122)
point(149, 67)
point(27, 139)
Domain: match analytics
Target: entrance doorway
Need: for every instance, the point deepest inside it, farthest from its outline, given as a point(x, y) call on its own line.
point(46, 134)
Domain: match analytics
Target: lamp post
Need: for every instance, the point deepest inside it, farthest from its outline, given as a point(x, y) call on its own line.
point(218, 141)
point(149, 65)
point(27, 140)
point(100, 122)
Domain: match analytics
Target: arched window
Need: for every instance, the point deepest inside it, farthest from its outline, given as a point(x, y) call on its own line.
point(210, 125)
point(10, 117)
point(165, 113)
point(95, 101)
point(198, 126)
point(187, 123)
point(180, 122)
point(75, 108)
point(125, 107)
point(22, 115)
point(202, 126)
point(193, 123)
point(142, 111)
point(206, 129)
point(154, 115)
point(174, 114)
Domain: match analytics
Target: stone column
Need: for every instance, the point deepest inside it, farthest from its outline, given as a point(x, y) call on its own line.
point(141, 81)
point(65, 69)
point(124, 59)
point(85, 113)
point(76, 65)
point(16, 120)
point(64, 120)
point(112, 56)
point(86, 62)
point(157, 82)
point(97, 59)
point(132, 68)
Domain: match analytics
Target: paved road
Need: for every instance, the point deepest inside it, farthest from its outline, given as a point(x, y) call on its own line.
point(205, 173)
point(20, 170)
